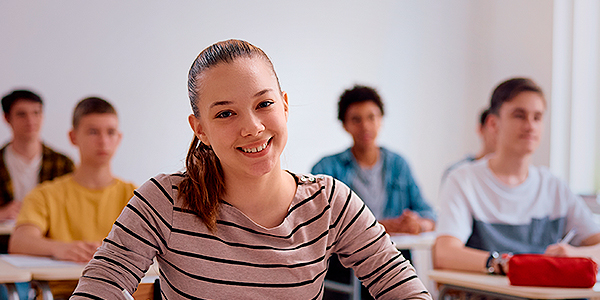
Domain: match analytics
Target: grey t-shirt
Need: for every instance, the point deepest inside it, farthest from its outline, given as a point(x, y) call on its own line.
point(369, 186)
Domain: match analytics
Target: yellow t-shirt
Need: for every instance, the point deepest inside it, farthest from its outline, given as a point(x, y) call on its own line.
point(67, 211)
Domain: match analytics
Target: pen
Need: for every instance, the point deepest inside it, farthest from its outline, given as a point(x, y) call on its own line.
point(127, 295)
point(568, 237)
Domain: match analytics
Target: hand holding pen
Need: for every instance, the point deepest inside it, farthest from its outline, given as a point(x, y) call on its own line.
point(562, 247)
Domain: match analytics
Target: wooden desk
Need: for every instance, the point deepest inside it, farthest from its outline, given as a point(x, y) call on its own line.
point(42, 275)
point(420, 251)
point(499, 287)
point(9, 275)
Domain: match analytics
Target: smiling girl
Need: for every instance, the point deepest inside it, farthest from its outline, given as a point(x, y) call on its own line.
point(234, 224)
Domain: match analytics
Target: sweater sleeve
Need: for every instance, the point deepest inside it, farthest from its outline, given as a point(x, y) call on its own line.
point(362, 244)
point(140, 233)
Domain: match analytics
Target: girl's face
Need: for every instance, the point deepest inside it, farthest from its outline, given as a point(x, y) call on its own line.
point(243, 116)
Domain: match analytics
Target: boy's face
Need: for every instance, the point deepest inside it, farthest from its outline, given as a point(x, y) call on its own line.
point(363, 121)
point(519, 124)
point(25, 119)
point(97, 136)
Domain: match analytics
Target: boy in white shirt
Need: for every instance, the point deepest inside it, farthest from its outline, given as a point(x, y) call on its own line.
point(502, 203)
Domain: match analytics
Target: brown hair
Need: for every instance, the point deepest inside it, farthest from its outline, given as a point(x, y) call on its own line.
point(9, 100)
point(483, 117)
point(91, 105)
point(204, 184)
point(509, 89)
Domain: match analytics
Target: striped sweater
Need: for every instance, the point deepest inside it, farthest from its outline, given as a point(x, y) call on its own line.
point(244, 260)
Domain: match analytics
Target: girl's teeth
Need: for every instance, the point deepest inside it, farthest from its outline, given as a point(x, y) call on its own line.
point(254, 150)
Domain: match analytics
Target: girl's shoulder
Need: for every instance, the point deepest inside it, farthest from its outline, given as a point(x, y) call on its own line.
point(326, 186)
point(161, 186)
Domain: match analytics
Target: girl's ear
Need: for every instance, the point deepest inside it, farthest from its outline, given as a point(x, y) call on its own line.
point(196, 126)
point(286, 105)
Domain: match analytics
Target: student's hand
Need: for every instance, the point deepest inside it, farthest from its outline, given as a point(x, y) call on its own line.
point(77, 251)
point(408, 222)
point(10, 211)
point(391, 225)
point(560, 249)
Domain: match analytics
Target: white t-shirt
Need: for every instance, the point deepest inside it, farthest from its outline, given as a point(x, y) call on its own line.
point(23, 174)
point(486, 214)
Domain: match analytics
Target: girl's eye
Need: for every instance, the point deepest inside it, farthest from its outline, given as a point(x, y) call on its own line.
point(265, 104)
point(224, 114)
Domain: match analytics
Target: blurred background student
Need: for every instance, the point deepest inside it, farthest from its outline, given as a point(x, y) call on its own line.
point(68, 217)
point(25, 160)
point(380, 177)
point(488, 143)
point(503, 204)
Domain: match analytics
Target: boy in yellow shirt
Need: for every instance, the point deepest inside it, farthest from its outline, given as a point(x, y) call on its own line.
point(67, 218)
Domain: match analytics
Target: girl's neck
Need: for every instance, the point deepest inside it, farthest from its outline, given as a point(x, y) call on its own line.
point(264, 199)
point(510, 169)
point(366, 157)
point(27, 148)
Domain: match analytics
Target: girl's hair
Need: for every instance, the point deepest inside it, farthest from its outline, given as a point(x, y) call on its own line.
point(204, 183)
point(509, 89)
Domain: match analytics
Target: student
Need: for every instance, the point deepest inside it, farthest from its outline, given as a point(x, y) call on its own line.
point(379, 176)
point(488, 143)
point(25, 161)
point(234, 224)
point(68, 217)
point(502, 204)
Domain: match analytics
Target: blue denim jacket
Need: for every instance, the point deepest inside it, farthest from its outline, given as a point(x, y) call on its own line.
point(402, 191)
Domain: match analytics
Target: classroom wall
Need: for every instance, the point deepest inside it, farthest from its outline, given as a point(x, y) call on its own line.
point(434, 62)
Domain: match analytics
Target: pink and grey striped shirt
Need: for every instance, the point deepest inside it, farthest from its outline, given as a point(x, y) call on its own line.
point(244, 260)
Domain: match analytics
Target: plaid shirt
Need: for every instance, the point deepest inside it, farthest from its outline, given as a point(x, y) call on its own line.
point(54, 164)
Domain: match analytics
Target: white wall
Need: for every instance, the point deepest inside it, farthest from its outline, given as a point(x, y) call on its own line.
point(434, 62)
point(576, 86)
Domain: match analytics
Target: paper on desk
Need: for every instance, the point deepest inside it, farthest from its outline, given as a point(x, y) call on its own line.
point(8, 223)
point(27, 261)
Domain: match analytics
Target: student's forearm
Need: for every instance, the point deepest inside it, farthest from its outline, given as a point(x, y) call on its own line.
point(592, 252)
point(453, 255)
point(32, 244)
point(590, 247)
point(39, 246)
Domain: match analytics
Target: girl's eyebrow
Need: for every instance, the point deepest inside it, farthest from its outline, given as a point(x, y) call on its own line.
point(260, 93)
point(220, 103)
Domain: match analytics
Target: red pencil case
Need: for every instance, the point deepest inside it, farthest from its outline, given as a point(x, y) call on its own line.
point(552, 271)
